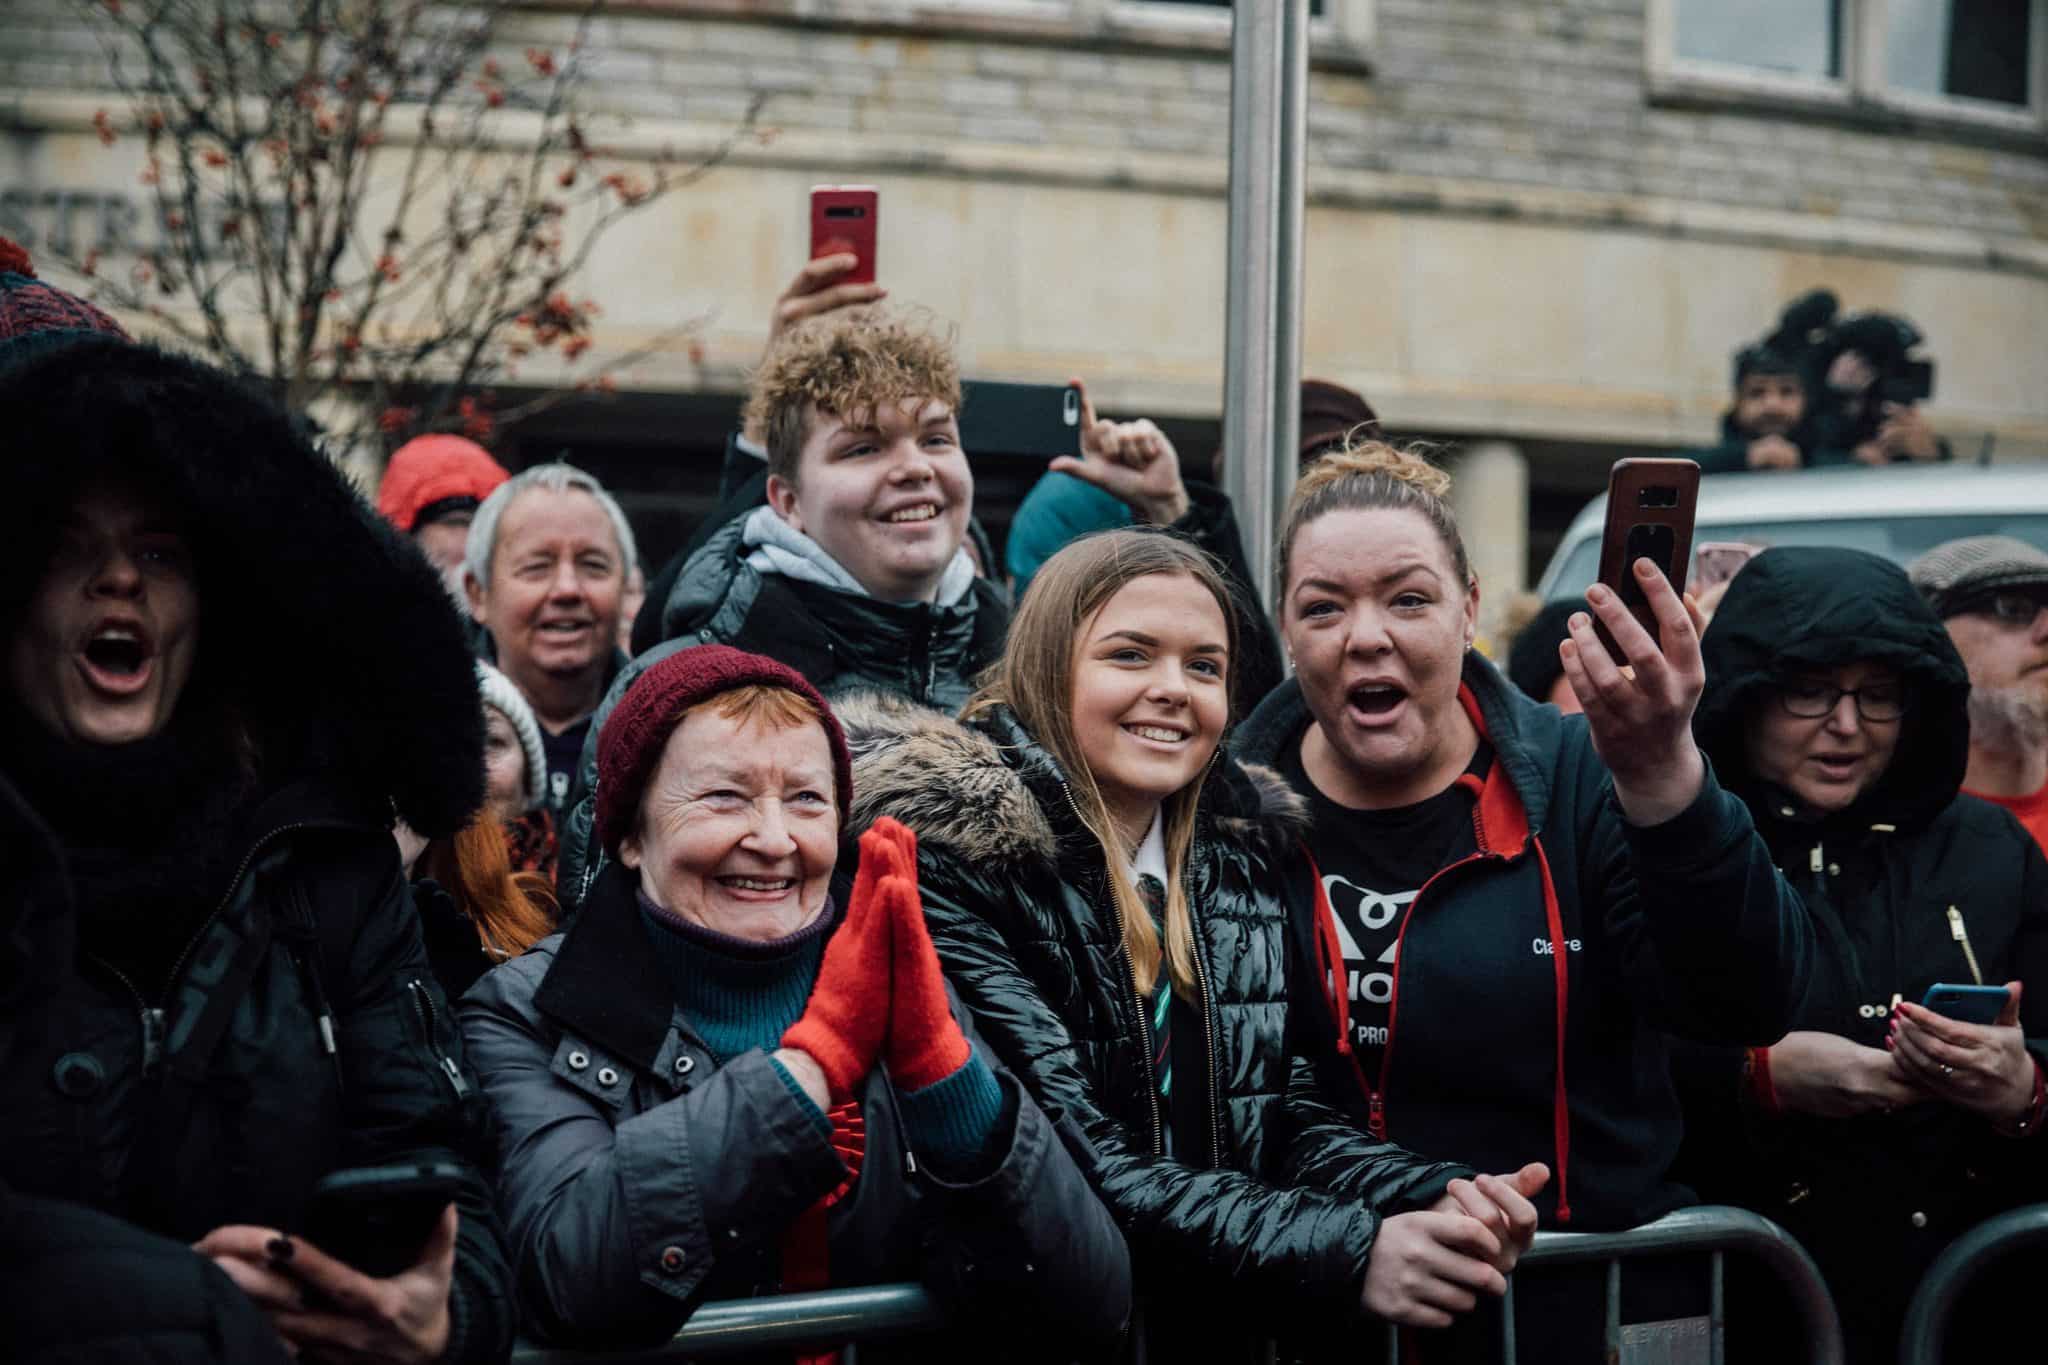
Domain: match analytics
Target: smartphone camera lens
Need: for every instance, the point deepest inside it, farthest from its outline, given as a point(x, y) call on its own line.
point(1657, 495)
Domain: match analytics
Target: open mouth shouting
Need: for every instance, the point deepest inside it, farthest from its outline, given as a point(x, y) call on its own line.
point(1375, 703)
point(118, 657)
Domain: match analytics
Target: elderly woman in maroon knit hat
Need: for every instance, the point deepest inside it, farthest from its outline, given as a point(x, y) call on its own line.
point(737, 1074)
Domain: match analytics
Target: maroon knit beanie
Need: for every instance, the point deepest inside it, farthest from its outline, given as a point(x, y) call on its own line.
point(29, 307)
point(630, 746)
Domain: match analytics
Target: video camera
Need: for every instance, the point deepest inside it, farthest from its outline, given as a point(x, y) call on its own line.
point(1812, 329)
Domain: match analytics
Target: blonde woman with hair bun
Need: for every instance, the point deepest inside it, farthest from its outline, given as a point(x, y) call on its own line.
point(1512, 906)
point(1107, 892)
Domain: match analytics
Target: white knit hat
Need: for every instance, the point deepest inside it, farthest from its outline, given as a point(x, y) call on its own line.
point(502, 696)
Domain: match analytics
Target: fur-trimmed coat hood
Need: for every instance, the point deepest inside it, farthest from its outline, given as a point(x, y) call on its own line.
point(326, 634)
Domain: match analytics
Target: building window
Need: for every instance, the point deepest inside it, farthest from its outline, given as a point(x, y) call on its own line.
point(1789, 37)
point(1967, 49)
point(1975, 61)
point(1315, 7)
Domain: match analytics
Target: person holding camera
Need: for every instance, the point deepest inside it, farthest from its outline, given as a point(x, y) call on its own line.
point(1869, 387)
point(1878, 1128)
point(224, 676)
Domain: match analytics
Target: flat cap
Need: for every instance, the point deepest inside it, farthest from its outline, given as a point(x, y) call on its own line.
point(1957, 573)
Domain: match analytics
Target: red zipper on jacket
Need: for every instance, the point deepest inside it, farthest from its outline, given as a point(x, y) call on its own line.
point(1339, 992)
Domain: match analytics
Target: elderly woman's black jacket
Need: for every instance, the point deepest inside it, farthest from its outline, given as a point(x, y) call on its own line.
point(290, 1025)
point(641, 1178)
point(1874, 1197)
point(1234, 1235)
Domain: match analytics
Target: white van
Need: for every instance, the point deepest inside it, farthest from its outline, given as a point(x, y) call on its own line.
point(1897, 511)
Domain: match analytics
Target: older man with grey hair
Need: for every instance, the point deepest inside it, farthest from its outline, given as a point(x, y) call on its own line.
point(1992, 594)
point(545, 574)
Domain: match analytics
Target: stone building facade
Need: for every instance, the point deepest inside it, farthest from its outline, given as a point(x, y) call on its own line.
point(1537, 228)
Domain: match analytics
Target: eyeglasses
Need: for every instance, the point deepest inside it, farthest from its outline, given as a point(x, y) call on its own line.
point(1811, 700)
point(2009, 608)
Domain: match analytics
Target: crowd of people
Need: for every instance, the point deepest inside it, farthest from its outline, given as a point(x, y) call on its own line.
point(1144, 974)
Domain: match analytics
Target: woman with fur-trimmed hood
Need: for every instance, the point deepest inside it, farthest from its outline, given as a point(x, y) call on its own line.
point(224, 678)
point(1105, 891)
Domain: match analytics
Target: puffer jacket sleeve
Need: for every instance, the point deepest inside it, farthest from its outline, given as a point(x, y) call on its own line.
point(1024, 1242)
point(616, 1228)
point(1714, 944)
point(407, 1093)
point(580, 859)
point(1294, 1247)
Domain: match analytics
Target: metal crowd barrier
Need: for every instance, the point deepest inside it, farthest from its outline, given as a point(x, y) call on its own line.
point(1709, 1228)
point(773, 1322)
point(782, 1322)
point(1960, 1262)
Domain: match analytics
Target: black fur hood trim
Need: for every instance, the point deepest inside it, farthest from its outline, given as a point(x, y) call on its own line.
point(325, 630)
point(962, 790)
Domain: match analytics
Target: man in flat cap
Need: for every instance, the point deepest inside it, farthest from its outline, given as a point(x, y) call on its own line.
point(1992, 594)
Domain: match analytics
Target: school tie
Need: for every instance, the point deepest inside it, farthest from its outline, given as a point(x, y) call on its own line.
point(1153, 894)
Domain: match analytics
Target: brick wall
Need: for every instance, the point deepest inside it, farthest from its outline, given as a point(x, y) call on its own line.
point(1547, 93)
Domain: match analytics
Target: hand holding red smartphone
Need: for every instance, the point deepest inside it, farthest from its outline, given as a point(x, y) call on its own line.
point(1633, 661)
point(845, 219)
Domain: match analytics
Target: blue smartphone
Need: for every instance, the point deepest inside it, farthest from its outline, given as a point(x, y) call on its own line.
point(1969, 1004)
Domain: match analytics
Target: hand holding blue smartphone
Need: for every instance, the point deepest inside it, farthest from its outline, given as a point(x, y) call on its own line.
point(1966, 1004)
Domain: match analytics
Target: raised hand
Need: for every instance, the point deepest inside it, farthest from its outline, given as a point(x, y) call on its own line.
point(843, 1026)
point(1639, 707)
point(1133, 462)
point(925, 1044)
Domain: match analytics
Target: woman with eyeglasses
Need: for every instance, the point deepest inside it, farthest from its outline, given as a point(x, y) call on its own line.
point(1876, 1130)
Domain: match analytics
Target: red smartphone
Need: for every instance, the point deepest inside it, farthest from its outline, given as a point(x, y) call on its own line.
point(843, 218)
point(1650, 510)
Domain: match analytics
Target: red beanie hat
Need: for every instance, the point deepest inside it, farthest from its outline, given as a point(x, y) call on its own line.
point(632, 740)
point(31, 308)
point(435, 469)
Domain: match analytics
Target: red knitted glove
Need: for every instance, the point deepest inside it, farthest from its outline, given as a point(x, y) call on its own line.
point(925, 1044)
point(843, 1025)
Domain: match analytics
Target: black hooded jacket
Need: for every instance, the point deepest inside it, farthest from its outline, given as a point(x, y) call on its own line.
point(1269, 1224)
point(1535, 978)
point(262, 1012)
point(1874, 1197)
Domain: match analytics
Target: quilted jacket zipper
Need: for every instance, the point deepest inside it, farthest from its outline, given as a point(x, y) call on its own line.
point(423, 1008)
point(1123, 952)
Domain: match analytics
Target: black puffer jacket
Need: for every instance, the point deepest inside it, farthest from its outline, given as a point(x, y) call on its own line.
point(839, 641)
point(1876, 1197)
point(1014, 891)
point(291, 1025)
point(641, 1177)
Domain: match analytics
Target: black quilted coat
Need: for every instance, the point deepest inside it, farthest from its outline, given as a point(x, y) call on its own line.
point(1226, 1245)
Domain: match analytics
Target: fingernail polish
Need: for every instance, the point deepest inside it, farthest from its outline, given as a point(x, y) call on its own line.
point(279, 1247)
